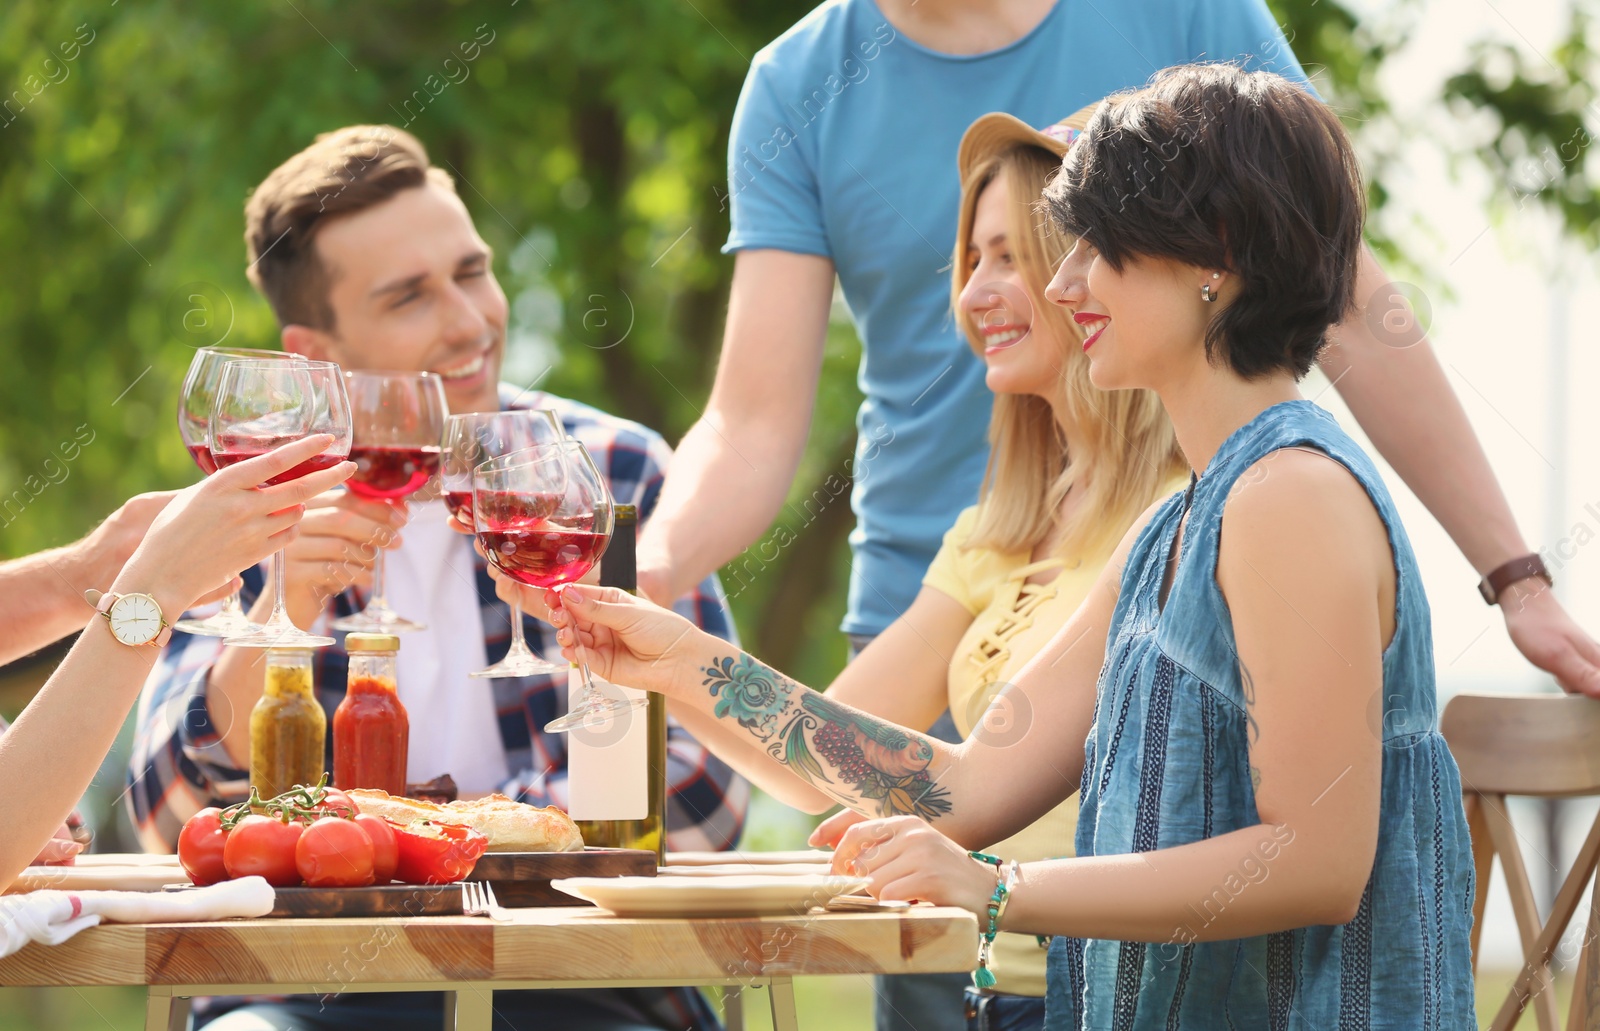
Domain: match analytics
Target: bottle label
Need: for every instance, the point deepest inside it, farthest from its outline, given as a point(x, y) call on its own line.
point(608, 761)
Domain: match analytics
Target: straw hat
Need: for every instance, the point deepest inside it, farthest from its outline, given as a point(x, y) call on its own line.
point(996, 132)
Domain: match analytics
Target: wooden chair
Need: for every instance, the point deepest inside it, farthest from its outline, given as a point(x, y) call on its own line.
point(1544, 746)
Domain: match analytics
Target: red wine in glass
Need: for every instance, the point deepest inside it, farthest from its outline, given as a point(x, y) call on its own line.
point(544, 557)
point(238, 449)
point(202, 457)
point(514, 510)
point(459, 502)
point(470, 439)
point(387, 472)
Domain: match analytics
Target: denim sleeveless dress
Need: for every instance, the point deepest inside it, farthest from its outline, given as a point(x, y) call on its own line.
point(1167, 763)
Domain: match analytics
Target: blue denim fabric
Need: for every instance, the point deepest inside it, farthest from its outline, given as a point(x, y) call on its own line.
point(1002, 1012)
point(1167, 763)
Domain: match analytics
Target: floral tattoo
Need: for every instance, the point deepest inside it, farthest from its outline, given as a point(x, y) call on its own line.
point(869, 760)
point(748, 692)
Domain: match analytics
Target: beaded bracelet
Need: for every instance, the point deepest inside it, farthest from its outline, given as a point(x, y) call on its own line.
point(983, 977)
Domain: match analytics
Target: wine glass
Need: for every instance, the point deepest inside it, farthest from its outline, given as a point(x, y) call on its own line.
point(543, 517)
point(194, 419)
point(261, 405)
point(397, 419)
point(470, 439)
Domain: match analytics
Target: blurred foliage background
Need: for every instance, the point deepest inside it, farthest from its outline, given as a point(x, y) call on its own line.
point(587, 138)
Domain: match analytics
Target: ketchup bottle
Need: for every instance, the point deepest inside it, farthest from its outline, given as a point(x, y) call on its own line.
point(370, 728)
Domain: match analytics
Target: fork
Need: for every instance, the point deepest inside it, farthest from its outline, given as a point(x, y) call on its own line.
point(477, 899)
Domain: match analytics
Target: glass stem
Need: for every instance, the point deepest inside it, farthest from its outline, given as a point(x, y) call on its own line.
point(232, 606)
point(519, 646)
point(280, 610)
point(377, 602)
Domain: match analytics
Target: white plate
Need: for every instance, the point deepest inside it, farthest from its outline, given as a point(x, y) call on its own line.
point(748, 870)
point(734, 895)
point(805, 855)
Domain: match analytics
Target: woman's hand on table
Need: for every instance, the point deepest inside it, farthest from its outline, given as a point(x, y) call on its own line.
point(200, 540)
point(829, 831)
point(625, 639)
point(60, 850)
point(908, 860)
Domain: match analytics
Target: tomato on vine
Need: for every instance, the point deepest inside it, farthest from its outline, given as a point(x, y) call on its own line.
point(264, 846)
point(200, 846)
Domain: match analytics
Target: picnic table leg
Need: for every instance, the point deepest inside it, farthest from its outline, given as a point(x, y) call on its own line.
point(469, 1008)
point(784, 1017)
point(733, 1008)
point(163, 1012)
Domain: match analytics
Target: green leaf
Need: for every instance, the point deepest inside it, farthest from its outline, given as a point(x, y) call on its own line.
point(797, 754)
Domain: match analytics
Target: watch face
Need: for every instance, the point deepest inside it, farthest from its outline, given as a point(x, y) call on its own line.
point(135, 619)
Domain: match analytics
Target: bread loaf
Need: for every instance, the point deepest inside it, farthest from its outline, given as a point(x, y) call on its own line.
point(509, 825)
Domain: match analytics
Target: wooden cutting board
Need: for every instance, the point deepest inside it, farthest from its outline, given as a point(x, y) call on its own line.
point(523, 878)
point(373, 900)
point(518, 878)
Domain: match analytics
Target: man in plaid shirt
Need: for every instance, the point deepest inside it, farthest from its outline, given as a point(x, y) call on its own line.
point(369, 259)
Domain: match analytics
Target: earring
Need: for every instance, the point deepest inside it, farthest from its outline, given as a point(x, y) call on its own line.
point(1205, 291)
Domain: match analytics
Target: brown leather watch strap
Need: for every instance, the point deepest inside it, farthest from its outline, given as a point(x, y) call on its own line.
point(1493, 585)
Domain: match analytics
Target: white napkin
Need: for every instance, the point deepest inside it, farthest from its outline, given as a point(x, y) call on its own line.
point(51, 917)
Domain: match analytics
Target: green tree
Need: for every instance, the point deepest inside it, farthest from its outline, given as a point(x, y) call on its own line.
point(589, 142)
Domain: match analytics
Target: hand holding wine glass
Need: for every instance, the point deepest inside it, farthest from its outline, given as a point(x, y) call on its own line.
point(471, 439)
point(226, 523)
point(544, 518)
point(260, 406)
point(194, 427)
point(627, 639)
point(397, 421)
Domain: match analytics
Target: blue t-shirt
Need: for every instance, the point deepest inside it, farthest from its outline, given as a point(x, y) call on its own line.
point(844, 146)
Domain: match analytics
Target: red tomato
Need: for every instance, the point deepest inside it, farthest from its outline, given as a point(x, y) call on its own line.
point(334, 853)
point(385, 850)
point(200, 845)
point(338, 803)
point(265, 846)
point(437, 853)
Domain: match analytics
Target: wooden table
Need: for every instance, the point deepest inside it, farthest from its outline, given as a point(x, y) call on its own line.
point(471, 957)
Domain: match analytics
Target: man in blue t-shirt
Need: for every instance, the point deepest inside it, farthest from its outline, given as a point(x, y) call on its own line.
point(842, 162)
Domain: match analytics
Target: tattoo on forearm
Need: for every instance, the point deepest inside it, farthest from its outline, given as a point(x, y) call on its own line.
point(850, 755)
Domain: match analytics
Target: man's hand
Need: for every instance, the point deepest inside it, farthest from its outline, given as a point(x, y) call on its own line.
point(102, 554)
point(339, 541)
point(1548, 638)
point(656, 584)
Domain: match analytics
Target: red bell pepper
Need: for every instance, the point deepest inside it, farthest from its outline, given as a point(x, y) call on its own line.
point(436, 853)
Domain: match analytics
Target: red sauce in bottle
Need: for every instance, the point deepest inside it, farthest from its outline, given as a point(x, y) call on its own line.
point(371, 731)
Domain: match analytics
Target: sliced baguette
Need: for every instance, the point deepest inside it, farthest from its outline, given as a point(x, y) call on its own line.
point(509, 825)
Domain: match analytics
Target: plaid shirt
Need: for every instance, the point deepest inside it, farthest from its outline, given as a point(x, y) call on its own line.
point(179, 765)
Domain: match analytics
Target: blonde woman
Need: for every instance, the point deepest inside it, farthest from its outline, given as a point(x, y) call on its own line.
point(1070, 469)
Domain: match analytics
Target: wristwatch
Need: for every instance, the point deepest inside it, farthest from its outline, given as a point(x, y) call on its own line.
point(135, 619)
point(1493, 585)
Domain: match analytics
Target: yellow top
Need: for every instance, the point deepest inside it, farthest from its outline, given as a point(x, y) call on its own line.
point(1012, 620)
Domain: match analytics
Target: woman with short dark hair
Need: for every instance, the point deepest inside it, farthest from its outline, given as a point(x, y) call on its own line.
point(1270, 832)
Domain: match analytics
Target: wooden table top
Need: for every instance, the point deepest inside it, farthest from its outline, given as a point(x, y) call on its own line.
point(551, 944)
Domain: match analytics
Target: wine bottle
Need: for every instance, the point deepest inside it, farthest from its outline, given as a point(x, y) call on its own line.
point(617, 800)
